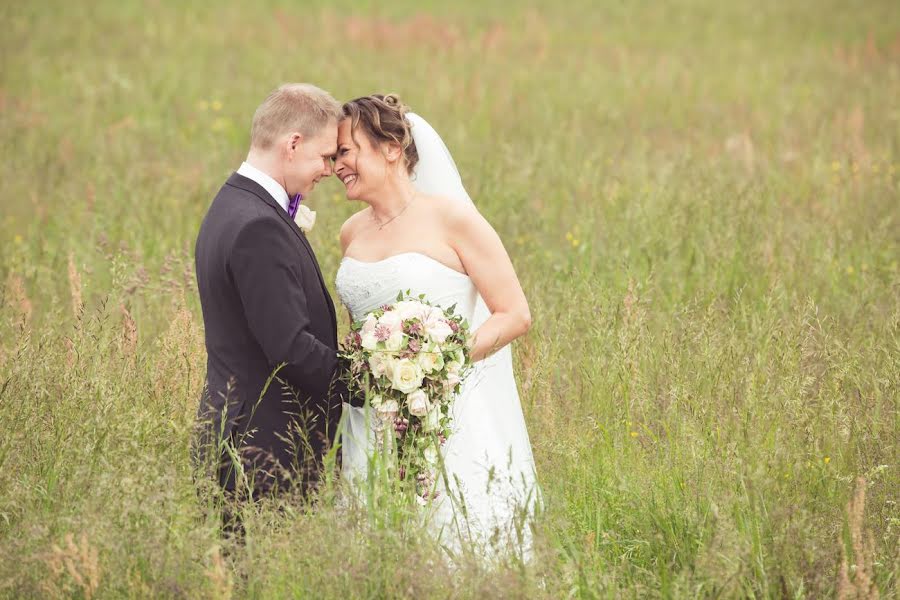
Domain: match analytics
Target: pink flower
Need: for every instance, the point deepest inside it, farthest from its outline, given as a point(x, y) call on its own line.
point(382, 333)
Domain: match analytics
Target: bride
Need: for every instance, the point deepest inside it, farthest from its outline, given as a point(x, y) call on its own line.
point(421, 232)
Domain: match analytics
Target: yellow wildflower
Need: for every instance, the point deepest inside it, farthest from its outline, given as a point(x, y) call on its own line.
point(634, 434)
point(827, 459)
point(569, 236)
point(835, 166)
point(850, 270)
point(216, 105)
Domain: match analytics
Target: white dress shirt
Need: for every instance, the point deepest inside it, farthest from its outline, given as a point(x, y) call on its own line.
point(270, 185)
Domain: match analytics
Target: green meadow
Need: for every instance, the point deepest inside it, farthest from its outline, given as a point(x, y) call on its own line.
point(701, 199)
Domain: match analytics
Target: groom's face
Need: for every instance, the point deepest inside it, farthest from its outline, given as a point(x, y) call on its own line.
point(307, 160)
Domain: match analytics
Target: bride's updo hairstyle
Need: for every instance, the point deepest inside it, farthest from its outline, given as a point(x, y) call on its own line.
point(383, 119)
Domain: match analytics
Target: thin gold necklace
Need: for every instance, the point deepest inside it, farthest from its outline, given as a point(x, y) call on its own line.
point(403, 210)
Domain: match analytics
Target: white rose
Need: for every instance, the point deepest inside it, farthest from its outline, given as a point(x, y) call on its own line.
point(452, 380)
point(369, 324)
point(454, 367)
point(369, 341)
point(305, 218)
point(434, 314)
point(411, 309)
point(430, 454)
point(432, 419)
point(380, 364)
point(406, 376)
point(389, 409)
point(392, 320)
point(376, 401)
point(418, 403)
point(395, 342)
point(460, 357)
point(438, 330)
point(431, 360)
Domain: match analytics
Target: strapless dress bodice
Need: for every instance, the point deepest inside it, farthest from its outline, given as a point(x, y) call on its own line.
point(364, 286)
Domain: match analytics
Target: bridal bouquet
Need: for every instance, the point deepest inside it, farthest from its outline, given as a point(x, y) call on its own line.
point(409, 359)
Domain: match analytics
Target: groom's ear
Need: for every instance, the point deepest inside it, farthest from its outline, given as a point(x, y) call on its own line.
point(293, 142)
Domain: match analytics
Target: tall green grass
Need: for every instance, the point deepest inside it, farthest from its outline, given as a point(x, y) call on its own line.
point(701, 200)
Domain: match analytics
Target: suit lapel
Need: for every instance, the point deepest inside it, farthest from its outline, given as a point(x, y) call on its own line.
point(254, 188)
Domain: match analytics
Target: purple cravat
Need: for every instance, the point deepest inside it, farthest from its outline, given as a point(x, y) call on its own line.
point(294, 204)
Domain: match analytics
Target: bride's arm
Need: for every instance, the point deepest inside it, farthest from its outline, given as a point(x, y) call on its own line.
point(488, 265)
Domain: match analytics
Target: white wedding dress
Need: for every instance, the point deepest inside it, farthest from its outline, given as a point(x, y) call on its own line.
point(488, 460)
point(488, 457)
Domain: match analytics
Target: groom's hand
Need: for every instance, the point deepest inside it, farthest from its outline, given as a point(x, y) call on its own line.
point(340, 390)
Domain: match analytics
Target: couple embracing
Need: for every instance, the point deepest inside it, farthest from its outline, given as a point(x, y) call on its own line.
point(274, 404)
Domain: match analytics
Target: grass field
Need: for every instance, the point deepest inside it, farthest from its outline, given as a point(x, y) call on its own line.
point(702, 200)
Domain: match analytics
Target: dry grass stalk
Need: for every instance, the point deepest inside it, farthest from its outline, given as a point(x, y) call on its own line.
point(77, 560)
point(75, 288)
point(219, 576)
point(129, 339)
point(18, 298)
point(71, 353)
point(181, 355)
point(862, 585)
point(628, 302)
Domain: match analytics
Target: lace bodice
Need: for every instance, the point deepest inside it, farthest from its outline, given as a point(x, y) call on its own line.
point(364, 286)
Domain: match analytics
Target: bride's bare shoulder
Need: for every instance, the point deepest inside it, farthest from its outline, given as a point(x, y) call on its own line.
point(350, 228)
point(453, 212)
point(452, 207)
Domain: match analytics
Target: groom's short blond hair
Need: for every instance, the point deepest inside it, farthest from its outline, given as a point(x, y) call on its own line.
point(297, 107)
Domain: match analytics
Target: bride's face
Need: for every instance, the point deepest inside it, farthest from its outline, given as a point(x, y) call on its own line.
point(360, 165)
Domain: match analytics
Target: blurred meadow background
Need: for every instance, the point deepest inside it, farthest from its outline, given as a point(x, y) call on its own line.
point(701, 201)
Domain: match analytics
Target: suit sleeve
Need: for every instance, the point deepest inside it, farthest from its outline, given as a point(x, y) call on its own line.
point(269, 282)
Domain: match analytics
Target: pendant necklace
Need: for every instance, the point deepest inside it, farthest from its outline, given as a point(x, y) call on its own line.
point(403, 210)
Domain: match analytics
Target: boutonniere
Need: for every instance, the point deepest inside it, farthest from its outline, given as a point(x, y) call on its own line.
point(303, 216)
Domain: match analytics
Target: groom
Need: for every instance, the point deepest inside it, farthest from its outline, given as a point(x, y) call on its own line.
point(265, 306)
